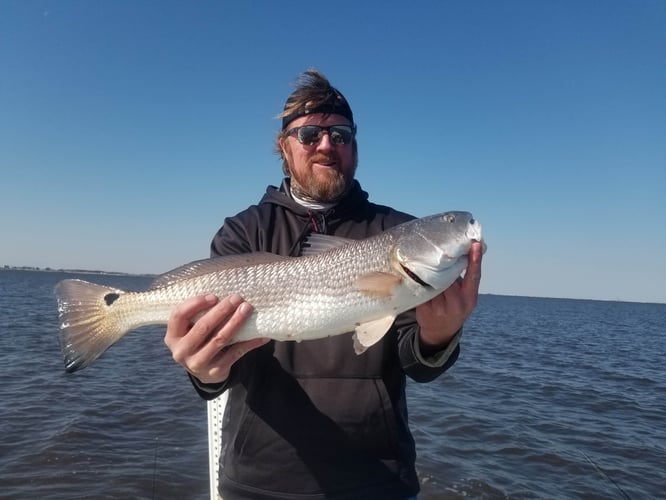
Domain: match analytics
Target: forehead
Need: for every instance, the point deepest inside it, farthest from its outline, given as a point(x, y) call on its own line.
point(319, 119)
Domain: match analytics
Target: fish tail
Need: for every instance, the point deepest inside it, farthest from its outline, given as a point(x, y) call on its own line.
point(89, 324)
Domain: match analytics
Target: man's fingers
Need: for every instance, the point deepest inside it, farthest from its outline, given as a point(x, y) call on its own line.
point(240, 313)
point(181, 316)
point(193, 345)
point(219, 365)
point(219, 314)
point(472, 279)
point(236, 351)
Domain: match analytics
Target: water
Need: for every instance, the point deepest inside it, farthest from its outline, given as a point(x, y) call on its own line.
point(550, 399)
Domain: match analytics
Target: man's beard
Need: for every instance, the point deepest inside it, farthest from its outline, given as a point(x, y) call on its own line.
point(313, 188)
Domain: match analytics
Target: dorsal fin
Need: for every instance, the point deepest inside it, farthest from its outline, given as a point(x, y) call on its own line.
point(317, 243)
point(215, 264)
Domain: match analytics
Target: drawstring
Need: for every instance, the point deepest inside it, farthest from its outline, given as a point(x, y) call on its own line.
point(318, 223)
point(318, 227)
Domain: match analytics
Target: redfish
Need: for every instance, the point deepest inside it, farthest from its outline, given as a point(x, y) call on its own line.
point(337, 286)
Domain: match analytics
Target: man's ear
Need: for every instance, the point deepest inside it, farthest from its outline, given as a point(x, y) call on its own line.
point(283, 147)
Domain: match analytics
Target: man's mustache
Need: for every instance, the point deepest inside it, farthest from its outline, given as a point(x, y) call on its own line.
point(325, 159)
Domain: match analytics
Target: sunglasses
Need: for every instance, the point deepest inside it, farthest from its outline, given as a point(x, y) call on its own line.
point(310, 135)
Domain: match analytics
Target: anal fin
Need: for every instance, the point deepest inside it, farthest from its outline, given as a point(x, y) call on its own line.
point(371, 332)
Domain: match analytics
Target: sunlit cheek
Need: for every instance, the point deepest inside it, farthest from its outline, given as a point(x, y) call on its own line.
point(298, 162)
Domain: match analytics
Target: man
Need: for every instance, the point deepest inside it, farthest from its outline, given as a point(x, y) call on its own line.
point(313, 420)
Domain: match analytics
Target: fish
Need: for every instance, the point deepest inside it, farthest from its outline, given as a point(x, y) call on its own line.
point(336, 286)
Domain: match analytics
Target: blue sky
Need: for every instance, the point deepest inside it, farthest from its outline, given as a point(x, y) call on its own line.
point(130, 129)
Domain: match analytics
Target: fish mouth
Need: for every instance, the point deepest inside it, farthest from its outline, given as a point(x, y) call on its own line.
point(414, 276)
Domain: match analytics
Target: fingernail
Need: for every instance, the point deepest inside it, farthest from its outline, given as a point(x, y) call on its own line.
point(245, 308)
point(235, 300)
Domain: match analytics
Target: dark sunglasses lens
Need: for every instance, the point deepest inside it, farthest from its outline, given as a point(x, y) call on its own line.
point(309, 134)
point(340, 134)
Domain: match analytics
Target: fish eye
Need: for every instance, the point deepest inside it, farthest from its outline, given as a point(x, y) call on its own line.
point(450, 218)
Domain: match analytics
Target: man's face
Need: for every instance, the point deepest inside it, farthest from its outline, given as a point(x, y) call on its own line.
point(321, 171)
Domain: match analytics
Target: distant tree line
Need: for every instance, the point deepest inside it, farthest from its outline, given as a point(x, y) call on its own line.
point(27, 268)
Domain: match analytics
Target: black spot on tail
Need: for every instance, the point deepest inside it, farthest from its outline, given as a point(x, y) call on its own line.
point(110, 298)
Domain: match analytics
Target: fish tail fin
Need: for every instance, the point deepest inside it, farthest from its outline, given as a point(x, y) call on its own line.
point(89, 324)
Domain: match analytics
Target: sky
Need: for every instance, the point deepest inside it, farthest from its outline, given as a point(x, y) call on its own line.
point(130, 129)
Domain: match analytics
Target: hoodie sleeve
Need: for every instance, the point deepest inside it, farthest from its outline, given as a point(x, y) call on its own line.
point(418, 367)
point(208, 391)
point(231, 239)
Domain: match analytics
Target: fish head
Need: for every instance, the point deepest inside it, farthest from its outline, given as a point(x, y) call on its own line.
point(433, 250)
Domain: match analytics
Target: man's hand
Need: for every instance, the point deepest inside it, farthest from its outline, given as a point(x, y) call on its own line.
point(442, 317)
point(203, 347)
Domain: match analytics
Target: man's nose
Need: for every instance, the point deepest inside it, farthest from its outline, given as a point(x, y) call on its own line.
point(325, 141)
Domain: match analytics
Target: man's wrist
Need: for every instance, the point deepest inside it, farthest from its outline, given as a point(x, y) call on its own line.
point(428, 346)
point(439, 354)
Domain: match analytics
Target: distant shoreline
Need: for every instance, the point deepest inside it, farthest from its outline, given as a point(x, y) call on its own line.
point(74, 271)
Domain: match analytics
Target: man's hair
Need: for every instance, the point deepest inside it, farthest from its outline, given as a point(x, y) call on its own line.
point(313, 94)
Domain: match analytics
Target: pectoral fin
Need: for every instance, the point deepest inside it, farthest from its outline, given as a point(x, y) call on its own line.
point(378, 284)
point(371, 332)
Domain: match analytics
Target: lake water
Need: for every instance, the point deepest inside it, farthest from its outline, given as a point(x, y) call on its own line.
point(551, 398)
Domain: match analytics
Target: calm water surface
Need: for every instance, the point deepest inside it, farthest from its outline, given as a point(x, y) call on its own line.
point(551, 398)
